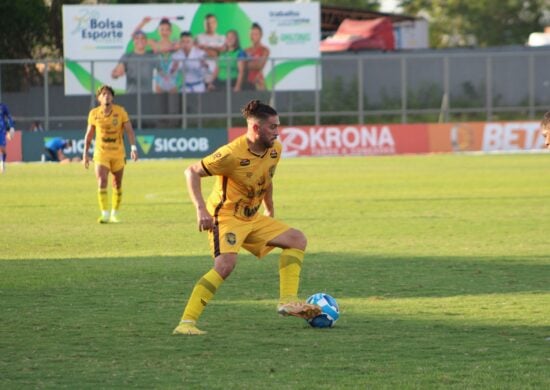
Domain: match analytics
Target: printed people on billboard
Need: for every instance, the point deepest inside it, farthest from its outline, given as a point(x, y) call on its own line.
point(231, 64)
point(212, 43)
point(190, 60)
point(138, 66)
point(258, 55)
point(165, 77)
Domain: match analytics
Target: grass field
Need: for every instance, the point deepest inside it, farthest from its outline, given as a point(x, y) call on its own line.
point(441, 266)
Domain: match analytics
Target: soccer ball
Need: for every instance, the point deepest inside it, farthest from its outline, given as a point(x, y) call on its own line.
point(330, 311)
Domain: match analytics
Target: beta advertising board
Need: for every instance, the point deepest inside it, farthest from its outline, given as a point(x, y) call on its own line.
point(485, 136)
point(291, 32)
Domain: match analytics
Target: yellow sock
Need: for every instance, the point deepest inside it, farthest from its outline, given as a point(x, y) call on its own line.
point(116, 198)
point(202, 293)
point(102, 199)
point(290, 266)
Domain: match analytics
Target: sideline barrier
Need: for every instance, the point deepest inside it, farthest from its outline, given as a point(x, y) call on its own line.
point(345, 140)
point(158, 143)
point(13, 147)
point(340, 140)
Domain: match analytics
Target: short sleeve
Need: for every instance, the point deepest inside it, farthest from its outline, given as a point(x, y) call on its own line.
point(91, 118)
point(219, 163)
point(124, 117)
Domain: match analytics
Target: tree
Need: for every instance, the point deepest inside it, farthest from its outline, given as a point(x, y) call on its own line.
point(479, 22)
point(24, 25)
point(367, 5)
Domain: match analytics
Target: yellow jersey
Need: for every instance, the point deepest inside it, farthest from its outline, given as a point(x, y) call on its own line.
point(109, 132)
point(242, 178)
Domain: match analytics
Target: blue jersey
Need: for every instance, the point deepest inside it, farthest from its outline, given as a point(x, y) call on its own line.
point(6, 121)
point(56, 144)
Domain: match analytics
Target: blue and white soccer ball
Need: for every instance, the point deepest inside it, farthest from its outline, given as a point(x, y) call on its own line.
point(330, 311)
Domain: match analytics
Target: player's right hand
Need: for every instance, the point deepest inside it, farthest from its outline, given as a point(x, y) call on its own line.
point(86, 160)
point(204, 220)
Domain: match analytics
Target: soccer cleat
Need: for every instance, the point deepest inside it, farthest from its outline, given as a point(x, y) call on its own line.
point(103, 219)
point(299, 309)
point(188, 328)
point(114, 219)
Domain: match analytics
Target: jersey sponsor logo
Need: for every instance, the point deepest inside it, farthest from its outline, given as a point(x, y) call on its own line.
point(108, 140)
point(249, 211)
point(231, 238)
point(245, 162)
point(273, 154)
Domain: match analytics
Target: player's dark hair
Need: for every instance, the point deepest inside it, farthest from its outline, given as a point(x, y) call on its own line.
point(257, 109)
point(237, 40)
point(256, 25)
point(104, 88)
point(209, 16)
point(185, 34)
point(545, 123)
point(165, 21)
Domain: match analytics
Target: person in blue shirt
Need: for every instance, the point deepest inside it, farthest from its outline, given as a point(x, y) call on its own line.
point(6, 123)
point(54, 148)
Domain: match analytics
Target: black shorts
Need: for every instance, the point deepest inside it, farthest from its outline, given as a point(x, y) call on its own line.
point(51, 155)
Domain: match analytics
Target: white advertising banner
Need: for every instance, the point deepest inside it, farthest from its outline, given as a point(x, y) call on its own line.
point(125, 45)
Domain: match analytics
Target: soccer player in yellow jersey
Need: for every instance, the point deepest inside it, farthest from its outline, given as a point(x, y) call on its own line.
point(244, 170)
point(108, 122)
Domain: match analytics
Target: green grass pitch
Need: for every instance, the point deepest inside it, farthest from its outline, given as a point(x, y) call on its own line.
point(440, 264)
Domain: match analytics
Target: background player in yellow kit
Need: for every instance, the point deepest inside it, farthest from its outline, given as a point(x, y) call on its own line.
point(244, 170)
point(108, 122)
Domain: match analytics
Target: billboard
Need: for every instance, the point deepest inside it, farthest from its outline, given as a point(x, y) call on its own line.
point(346, 140)
point(107, 34)
point(158, 143)
point(485, 136)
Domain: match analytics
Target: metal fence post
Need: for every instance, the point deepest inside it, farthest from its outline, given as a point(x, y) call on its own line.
point(403, 90)
point(360, 92)
point(531, 75)
point(228, 93)
point(489, 88)
point(92, 83)
point(273, 80)
point(184, 97)
point(138, 98)
point(46, 97)
point(446, 88)
point(317, 94)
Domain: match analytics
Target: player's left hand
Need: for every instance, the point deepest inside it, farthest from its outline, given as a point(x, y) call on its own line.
point(11, 133)
point(134, 155)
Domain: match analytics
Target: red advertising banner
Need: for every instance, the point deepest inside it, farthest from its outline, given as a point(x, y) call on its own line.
point(14, 149)
point(485, 136)
point(346, 140)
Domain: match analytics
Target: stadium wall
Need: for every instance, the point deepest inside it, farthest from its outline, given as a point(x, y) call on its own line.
point(159, 143)
point(337, 140)
point(389, 139)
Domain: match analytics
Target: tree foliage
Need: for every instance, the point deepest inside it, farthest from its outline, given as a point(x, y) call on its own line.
point(24, 25)
point(366, 5)
point(479, 22)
